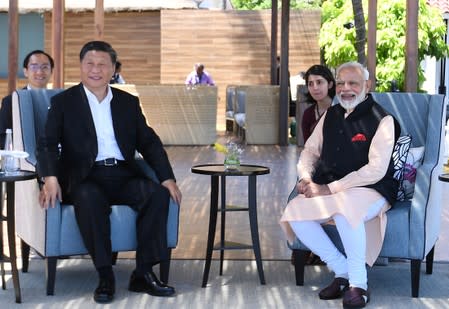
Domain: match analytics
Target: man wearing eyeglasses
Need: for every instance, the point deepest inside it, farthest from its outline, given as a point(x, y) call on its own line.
point(37, 68)
point(346, 177)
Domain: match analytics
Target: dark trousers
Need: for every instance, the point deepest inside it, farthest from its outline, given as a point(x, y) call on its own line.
point(119, 185)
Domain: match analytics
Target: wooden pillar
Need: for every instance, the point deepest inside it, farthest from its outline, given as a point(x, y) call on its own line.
point(274, 41)
point(57, 24)
point(411, 47)
point(372, 42)
point(99, 20)
point(283, 92)
point(13, 44)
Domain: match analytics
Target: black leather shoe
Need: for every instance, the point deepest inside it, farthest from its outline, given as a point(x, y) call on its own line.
point(150, 284)
point(104, 293)
point(335, 290)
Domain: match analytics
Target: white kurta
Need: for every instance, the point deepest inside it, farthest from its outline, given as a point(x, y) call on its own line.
point(349, 198)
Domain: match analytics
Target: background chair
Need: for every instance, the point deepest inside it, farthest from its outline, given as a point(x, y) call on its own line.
point(262, 114)
point(230, 102)
point(413, 225)
point(239, 113)
point(54, 232)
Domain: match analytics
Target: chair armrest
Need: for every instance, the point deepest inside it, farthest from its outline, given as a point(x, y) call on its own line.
point(425, 202)
point(294, 193)
point(173, 224)
point(147, 169)
point(173, 211)
point(53, 233)
point(38, 227)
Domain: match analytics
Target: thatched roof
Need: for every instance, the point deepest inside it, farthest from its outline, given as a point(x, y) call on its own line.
point(26, 6)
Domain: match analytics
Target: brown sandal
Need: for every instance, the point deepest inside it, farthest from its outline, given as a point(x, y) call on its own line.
point(314, 259)
point(355, 298)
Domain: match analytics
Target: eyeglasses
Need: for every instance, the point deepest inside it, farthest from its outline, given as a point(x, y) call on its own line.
point(36, 67)
point(350, 83)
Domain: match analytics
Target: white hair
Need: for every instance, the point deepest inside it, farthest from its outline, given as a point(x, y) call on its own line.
point(354, 65)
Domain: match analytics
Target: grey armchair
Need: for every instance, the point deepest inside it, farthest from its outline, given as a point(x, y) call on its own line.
point(54, 232)
point(413, 226)
point(230, 103)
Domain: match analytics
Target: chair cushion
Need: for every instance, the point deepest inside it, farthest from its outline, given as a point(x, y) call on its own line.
point(414, 160)
point(398, 231)
point(240, 119)
point(123, 230)
point(399, 156)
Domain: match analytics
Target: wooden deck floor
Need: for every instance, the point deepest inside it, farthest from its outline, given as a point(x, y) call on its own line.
point(239, 287)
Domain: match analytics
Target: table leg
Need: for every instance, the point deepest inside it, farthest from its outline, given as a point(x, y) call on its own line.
point(25, 249)
point(2, 269)
point(2, 256)
point(12, 238)
point(223, 221)
point(252, 202)
point(212, 226)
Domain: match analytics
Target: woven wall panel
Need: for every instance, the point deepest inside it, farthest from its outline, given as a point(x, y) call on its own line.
point(262, 114)
point(160, 47)
point(181, 115)
point(134, 35)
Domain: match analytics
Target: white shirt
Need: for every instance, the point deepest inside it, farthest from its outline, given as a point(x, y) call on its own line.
point(101, 114)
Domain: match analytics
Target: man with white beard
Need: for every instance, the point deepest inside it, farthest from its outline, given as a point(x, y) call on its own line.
point(346, 178)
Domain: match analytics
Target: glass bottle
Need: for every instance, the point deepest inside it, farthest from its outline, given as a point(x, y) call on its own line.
point(10, 164)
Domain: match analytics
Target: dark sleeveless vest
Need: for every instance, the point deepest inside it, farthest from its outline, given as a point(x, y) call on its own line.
point(347, 143)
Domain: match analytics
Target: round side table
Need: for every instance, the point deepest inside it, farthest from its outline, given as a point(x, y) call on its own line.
point(10, 180)
point(219, 172)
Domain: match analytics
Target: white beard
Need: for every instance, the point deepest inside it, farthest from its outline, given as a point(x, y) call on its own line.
point(350, 105)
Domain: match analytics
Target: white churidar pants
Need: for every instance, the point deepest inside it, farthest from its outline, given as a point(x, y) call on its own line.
point(352, 267)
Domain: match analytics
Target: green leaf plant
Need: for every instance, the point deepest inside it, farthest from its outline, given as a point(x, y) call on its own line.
point(337, 42)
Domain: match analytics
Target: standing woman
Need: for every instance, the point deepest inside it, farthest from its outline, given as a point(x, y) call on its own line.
point(321, 91)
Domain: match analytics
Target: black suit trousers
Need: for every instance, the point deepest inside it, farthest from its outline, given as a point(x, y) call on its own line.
point(120, 185)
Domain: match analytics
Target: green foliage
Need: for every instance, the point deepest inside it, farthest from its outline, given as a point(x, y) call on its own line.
point(266, 4)
point(338, 42)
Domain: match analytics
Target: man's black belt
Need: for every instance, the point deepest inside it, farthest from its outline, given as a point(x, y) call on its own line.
point(109, 162)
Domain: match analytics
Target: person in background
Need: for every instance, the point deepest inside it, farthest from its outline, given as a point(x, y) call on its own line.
point(291, 103)
point(37, 68)
point(86, 157)
point(199, 77)
point(117, 77)
point(321, 91)
point(345, 174)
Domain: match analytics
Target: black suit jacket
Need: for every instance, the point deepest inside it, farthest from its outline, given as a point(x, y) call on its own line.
point(5, 118)
point(70, 125)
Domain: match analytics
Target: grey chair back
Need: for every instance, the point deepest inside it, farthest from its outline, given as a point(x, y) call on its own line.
point(34, 117)
point(240, 106)
point(230, 98)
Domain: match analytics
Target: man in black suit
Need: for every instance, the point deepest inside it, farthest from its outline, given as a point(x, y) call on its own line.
point(37, 68)
point(87, 158)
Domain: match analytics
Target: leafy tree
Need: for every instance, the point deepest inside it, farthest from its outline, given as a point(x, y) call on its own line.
point(338, 43)
point(266, 4)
